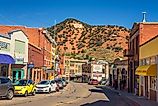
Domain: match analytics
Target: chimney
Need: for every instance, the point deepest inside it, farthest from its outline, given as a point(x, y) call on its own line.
point(144, 16)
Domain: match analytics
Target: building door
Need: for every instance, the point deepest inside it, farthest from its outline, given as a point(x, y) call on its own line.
point(18, 74)
point(146, 86)
point(14, 76)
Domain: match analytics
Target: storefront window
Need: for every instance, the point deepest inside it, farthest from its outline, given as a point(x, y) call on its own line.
point(153, 83)
point(147, 61)
point(143, 62)
point(141, 80)
point(140, 62)
point(19, 47)
point(153, 60)
point(3, 70)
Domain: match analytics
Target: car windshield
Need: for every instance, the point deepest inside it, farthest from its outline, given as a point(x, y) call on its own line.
point(58, 81)
point(44, 82)
point(21, 83)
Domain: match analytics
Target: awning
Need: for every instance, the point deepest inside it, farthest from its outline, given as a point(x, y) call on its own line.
point(146, 70)
point(6, 59)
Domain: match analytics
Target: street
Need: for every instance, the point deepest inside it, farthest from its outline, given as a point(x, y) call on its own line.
point(75, 94)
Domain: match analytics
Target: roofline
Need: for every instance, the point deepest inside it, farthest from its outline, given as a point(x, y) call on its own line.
point(2, 35)
point(12, 31)
point(149, 40)
point(149, 23)
point(136, 23)
point(20, 26)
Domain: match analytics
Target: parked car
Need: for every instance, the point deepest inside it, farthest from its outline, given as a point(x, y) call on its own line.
point(6, 88)
point(103, 82)
point(55, 85)
point(65, 80)
point(45, 86)
point(60, 83)
point(93, 82)
point(24, 87)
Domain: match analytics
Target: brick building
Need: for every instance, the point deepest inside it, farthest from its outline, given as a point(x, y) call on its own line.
point(39, 50)
point(140, 33)
point(147, 70)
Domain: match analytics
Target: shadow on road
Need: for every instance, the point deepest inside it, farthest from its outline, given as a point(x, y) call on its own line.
point(96, 103)
point(115, 99)
point(96, 90)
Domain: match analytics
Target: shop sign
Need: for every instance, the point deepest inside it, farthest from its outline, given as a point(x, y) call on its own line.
point(97, 68)
point(4, 46)
point(19, 60)
point(30, 65)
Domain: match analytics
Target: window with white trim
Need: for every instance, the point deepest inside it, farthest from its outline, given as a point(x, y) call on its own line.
point(153, 60)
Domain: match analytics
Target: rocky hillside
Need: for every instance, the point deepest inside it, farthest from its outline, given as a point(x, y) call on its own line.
point(82, 40)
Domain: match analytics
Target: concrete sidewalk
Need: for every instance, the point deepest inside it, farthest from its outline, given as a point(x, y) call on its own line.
point(139, 100)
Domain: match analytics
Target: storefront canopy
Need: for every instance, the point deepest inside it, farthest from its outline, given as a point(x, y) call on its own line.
point(146, 70)
point(6, 59)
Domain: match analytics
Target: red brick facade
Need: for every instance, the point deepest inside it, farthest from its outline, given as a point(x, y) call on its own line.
point(141, 33)
point(47, 52)
point(147, 31)
point(35, 42)
point(35, 56)
point(39, 49)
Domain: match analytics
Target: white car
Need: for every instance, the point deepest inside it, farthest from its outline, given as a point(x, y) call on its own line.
point(54, 85)
point(45, 86)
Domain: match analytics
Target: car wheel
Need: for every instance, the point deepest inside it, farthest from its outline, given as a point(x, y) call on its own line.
point(26, 94)
point(49, 91)
point(10, 94)
point(57, 89)
point(33, 93)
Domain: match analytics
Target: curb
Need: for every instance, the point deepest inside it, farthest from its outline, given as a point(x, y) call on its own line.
point(135, 102)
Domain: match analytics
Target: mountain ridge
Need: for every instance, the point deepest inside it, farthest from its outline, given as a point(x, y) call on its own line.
point(80, 39)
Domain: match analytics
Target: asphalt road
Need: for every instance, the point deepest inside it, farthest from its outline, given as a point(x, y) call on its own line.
point(75, 94)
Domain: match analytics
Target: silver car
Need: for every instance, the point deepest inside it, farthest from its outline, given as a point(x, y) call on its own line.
point(6, 88)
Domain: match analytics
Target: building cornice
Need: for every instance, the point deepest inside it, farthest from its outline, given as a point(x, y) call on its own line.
point(34, 46)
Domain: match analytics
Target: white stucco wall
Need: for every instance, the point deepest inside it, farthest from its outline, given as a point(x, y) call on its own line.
point(19, 35)
point(6, 40)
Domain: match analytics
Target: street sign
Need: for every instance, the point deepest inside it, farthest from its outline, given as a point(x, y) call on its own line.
point(30, 65)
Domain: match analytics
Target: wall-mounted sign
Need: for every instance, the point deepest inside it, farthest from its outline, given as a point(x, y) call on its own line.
point(97, 68)
point(19, 60)
point(30, 65)
point(4, 46)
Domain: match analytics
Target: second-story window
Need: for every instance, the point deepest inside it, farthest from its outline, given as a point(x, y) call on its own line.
point(153, 60)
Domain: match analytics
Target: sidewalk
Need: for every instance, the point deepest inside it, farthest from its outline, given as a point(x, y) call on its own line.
point(139, 100)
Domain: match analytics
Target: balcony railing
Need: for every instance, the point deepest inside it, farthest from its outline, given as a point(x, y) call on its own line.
point(128, 53)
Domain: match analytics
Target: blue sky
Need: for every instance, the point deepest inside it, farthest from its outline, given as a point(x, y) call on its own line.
point(42, 13)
